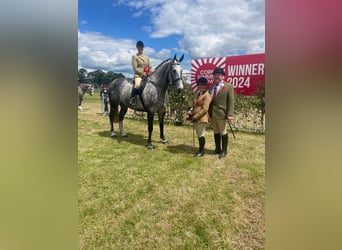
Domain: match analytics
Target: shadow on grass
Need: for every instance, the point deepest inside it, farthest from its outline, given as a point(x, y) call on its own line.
point(181, 149)
point(141, 140)
point(137, 139)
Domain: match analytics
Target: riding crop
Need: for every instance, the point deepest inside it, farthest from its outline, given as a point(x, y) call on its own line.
point(231, 129)
point(193, 134)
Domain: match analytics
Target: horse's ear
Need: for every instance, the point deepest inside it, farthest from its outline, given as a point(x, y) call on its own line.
point(181, 59)
point(174, 58)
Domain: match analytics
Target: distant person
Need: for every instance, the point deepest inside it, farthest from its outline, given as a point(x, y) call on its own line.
point(104, 95)
point(221, 110)
point(199, 113)
point(142, 68)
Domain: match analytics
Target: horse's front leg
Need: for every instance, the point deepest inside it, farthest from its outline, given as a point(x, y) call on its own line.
point(161, 117)
point(80, 103)
point(150, 117)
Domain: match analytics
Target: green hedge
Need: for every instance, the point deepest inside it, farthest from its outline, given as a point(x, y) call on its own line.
point(249, 110)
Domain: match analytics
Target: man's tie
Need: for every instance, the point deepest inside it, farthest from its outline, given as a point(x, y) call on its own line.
point(215, 91)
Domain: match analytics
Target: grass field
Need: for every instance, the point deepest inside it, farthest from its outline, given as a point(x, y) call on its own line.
point(134, 198)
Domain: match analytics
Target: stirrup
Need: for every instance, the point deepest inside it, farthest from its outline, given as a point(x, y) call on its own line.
point(132, 101)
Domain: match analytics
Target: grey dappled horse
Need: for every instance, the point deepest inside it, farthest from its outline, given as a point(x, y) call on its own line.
point(151, 99)
point(82, 89)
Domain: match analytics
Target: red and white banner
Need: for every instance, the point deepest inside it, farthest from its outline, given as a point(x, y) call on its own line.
point(246, 73)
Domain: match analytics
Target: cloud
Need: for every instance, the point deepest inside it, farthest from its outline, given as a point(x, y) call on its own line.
point(83, 22)
point(97, 51)
point(205, 29)
point(208, 28)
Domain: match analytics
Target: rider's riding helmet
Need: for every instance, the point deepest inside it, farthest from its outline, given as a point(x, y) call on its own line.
point(140, 44)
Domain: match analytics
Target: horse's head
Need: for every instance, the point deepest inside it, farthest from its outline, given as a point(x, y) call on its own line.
point(175, 73)
point(91, 89)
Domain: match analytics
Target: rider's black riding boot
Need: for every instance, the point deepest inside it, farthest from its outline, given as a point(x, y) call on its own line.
point(200, 152)
point(224, 146)
point(217, 138)
point(133, 95)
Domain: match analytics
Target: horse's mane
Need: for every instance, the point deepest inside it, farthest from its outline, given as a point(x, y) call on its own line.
point(161, 64)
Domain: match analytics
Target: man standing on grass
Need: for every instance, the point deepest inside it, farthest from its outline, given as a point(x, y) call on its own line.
point(221, 110)
point(104, 95)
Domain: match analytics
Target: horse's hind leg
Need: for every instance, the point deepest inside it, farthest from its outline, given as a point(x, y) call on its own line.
point(150, 117)
point(122, 113)
point(161, 117)
point(113, 112)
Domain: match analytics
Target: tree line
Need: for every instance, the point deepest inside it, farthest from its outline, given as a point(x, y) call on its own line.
point(97, 77)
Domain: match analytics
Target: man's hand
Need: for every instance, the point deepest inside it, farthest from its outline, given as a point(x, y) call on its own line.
point(230, 118)
point(190, 117)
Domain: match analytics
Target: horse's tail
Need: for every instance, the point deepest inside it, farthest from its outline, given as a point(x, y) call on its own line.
point(115, 98)
point(113, 113)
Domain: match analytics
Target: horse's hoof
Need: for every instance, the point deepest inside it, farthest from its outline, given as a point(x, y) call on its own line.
point(164, 141)
point(150, 146)
point(124, 135)
point(113, 135)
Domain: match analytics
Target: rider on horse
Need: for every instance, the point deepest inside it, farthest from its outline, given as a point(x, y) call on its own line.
point(141, 67)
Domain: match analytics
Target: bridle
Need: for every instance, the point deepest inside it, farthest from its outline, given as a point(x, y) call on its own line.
point(179, 76)
point(90, 89)
point(170, 75)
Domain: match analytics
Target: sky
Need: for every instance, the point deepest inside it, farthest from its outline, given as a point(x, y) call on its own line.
point(109, 29)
